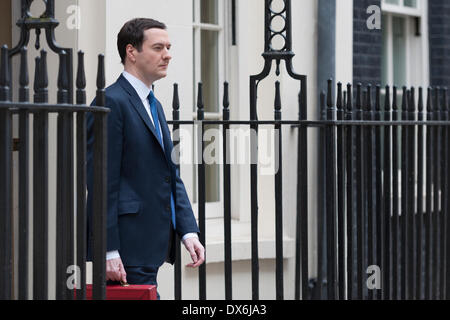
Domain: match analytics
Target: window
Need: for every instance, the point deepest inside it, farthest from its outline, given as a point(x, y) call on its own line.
point(409, 7)
point(404, 60)
point(209, 68)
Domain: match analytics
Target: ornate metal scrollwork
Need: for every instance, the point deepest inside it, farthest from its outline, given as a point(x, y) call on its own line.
point(48, 23)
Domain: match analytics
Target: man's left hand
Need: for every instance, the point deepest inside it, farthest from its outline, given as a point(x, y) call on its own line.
point(196, 250)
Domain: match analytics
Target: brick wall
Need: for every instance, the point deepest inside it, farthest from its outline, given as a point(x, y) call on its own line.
point(367, 45)
point(439, 38)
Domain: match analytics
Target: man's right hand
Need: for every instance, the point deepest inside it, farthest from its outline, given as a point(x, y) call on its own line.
point(115, 270)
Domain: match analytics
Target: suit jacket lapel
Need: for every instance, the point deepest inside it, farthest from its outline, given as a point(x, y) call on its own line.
point(137, 104)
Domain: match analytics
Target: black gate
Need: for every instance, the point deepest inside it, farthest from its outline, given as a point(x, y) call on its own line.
point(69, 138)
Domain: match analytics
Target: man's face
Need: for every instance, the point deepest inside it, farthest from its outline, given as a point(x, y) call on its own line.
point(153, 59)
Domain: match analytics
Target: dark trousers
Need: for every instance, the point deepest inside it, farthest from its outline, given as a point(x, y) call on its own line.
point(140, 275)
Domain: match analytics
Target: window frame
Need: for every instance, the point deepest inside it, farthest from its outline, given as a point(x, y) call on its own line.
point(390, 11)
point(213, 209)
point(401, 9)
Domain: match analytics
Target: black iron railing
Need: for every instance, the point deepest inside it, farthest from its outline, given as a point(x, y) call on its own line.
point(382, 174)
point(383, 179)
point(386, 179)
point(70, 247)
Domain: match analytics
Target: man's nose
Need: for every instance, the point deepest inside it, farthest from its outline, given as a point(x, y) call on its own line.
point(167, 55)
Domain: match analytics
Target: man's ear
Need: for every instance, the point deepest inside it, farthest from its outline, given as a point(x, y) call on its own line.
point(130, 51)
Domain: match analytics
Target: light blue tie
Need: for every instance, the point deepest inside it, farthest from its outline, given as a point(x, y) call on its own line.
point(152, 101)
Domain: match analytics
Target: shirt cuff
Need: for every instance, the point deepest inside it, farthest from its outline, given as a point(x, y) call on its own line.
point(189, 235)
point(112, 255)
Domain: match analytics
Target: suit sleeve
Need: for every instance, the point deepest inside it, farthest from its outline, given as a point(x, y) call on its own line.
point(184, 215)
point(185, 219)
point(114, 156)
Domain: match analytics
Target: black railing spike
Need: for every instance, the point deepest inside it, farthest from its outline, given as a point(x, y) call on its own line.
point(344, 99)
point(339, 102)
point(364, 100)
point(81, 80)
point(330, 93)
point(429, 100)
point(277, 103)
point(226, 97)
point(368, 102)
point(420, 102)
point(44, 70)
point(200, 111)
point(378, 98)
point(200, 97)
point(100, 97)
point(62, 79)
point(37, 44)
point(387, 99)
point(226, 101)
point(358, 97)
point(24, 95)
point(437, 105)
point(5, 82)
point(101, 72)
point(175, 99)
point(408, 99)
point(394, 98)
point(349, 98)
point(43, 78)
point(37, 71)
point(444, 101)
point(412, 100)
point(404, 99)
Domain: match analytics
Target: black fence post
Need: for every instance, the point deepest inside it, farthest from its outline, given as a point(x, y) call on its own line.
point(436, 198)
point(379, 213)
point(301, 260)
point(387, 194)
point(40, 184)
point(420, 199)
point(369, 186)
point(201, 190)
point(227, 196)
point(24, 154)
point(6, 262)
point(331, 218)
point(444, 191)
point(176, 139)
point(395, 199)
point(81, 179)
point(99, 191)
point(412, 210)
point(360, 199)
point(341, 191)
point(429, 199)
point(350, 200)
point(321, 205)
point(278, 196)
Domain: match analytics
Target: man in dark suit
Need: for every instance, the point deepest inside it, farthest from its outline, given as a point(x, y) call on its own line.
point(147, 201)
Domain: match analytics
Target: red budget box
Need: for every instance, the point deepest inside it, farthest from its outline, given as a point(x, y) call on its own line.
point(130, 292)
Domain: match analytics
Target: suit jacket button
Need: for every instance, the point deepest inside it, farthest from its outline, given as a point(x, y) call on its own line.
point(168, 207)
point(168, 179)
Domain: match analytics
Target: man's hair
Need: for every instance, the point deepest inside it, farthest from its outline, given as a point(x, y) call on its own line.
point(132, 33)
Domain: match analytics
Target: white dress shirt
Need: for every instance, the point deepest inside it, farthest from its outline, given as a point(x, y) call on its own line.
point(143, 91)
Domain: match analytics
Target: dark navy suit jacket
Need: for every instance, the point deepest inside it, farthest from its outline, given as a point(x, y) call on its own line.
point(141, 177)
